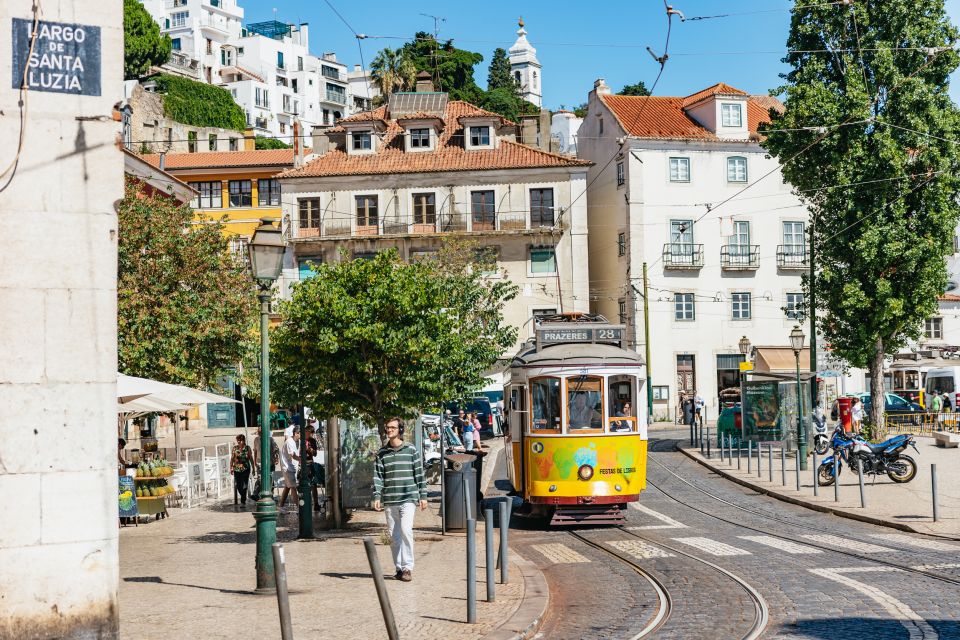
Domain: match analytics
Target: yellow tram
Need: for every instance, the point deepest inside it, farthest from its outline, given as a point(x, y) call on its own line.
point(577, 437)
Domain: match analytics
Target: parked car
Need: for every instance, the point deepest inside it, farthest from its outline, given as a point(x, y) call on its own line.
point(899, 409)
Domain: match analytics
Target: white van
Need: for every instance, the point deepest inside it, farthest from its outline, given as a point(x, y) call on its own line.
point(944, 380)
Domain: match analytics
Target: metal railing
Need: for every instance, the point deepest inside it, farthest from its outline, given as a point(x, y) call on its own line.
point(792, 256)
point(444, 222)
point(740, 256)
point(678, 255)
point(921, 423)
point(339, 98)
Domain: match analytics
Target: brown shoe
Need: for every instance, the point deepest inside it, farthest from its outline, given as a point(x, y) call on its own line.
point(398, 574)
point(406, 575)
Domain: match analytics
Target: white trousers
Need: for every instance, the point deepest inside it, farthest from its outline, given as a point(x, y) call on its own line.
point(400, 530)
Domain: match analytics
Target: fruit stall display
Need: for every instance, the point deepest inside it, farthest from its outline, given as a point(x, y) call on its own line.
point(152, 486)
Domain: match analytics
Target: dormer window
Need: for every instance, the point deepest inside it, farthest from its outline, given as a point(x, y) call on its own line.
point(362, 140)
point(731, 115)
point(420, 138)
point(479, 136)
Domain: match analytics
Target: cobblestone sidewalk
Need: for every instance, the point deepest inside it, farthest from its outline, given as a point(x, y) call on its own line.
point(192, 575)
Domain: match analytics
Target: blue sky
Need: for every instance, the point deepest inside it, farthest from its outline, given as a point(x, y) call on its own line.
point(576, 42)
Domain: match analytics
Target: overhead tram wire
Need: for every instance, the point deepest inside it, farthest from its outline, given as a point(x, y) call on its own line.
point(359, 37)
point(758, 11)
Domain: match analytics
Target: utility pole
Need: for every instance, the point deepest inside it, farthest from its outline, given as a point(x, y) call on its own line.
point(646, 343)
point(812, 312)
point(436, 43)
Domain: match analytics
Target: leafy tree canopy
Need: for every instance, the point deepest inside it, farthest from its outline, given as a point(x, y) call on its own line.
point(451, 68)
point(380, 337)
point(638, 89)
point(262, 142)
point(393, 70)
point(143, 45)
point(186, 306)
point(871, 120)
point(499, 75)
point(199, 104)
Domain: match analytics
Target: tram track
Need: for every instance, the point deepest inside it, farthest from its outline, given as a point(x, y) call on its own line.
point(822, 547)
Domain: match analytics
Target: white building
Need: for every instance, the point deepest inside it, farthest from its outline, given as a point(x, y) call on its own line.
point(199, 30)
point(564, 126)
point(363, 90)
point(714, 276)
point(59, 549)
point(422, 169)
point(526, 68)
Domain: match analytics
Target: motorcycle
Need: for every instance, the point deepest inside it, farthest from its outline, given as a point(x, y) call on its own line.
point(874, 459)
point(821, 442)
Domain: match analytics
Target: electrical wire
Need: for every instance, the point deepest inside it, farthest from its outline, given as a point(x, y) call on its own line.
point(11, 168)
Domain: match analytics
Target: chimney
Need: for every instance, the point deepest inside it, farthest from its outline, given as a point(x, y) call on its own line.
point(424, 82)
point(321, 140)
point(601, 86)
point(528, 130)
point(249, 140)
point(357, 68)
point(544, 140)
point(304, 35)
point(297, 144)
point(163, 161)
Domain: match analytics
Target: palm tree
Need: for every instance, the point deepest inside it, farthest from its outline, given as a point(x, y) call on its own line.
point(392, 71)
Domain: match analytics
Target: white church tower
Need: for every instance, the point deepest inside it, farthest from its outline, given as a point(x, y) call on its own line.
point(526, 68)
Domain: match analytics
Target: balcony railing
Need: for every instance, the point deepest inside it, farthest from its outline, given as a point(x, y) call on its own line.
point(184, 64)
point(740, 256)
point(792, 256)
point(332, 74)
point(446, 222)
point(338, 98)
point(682, 256)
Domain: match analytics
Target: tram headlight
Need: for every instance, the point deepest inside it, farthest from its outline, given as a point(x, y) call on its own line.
point(618, 487)
point(553, 487)
point(585, 472)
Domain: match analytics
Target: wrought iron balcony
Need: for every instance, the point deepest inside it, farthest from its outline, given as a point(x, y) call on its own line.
point(679, 255)
point(793, 256)
point(740, 257)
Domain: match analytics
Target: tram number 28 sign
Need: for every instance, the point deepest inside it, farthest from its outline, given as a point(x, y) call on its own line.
point(580, 334)
point(65, 57)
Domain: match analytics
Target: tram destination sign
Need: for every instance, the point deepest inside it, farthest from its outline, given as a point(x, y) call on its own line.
point(564, 335)
point(64, 59)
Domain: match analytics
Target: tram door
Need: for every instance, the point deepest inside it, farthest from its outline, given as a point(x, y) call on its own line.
point(516, 405)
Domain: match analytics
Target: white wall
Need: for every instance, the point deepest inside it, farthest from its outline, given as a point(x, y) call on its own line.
point(58, 474)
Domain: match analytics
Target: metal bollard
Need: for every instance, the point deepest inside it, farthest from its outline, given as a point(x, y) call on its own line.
point(770, 463)
point(471, 570)
point(749, 456)
point(933, 481)
point(283, 598)
point(836, 477)
point(798, 470)
point(382, 595)
point(863, 497)
point(468, 512)
point(739, 453)
point(816, 476)
point(759, 460)
point(783, 466)
point(488, 550)
point(505, 507)
point(708, 449)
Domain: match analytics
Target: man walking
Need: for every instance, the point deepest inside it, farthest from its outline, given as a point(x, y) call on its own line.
point(398, 487)
point(290, 457)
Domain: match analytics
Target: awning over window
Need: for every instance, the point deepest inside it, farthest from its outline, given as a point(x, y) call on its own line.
point(779, 360)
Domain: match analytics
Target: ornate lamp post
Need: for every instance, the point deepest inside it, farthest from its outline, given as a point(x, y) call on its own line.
point(266, 260)
point(744, 346)
point(796, 342)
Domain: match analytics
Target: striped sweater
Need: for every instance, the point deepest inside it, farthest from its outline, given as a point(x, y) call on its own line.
point(398, 475)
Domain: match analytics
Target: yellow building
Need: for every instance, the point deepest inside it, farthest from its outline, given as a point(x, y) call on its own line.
point(237, 186)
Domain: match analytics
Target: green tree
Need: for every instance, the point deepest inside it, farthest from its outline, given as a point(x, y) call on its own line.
point(505, 102)
point(639, 89)
point(451, 68)
point(499, 74)
point(380, 337)
point(185, 304)
point(263, 142)
point(872, 121)
point(200, 104)
point(392, 70)
point(143, 46)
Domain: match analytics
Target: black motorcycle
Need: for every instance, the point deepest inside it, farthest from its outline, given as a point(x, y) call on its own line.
point(885, 457)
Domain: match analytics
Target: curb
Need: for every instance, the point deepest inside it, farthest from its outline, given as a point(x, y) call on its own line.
point(528, 617)
point(810, 505)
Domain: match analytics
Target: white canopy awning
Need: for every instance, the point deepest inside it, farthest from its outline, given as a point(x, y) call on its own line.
point(150, 404)
point(132, 388)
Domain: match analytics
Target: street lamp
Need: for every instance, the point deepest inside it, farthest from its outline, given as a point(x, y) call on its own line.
point(266, 259)
point(744, 346)
point(796, 343)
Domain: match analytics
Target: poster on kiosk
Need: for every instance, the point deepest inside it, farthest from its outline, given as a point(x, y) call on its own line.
point(844, 406)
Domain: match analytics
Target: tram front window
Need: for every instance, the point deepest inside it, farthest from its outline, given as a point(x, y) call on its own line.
point(584, 403)
point(622, 404)
point(545, 404)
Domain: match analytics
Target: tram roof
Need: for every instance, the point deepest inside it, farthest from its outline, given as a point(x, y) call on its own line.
point(575, 354)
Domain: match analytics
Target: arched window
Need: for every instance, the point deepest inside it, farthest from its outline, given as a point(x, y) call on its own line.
point(516, 77)
point(534, 79)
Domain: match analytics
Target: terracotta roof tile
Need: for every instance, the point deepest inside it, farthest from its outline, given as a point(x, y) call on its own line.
point(720, 88)
point(223, 159)
point(666, 118)
point(450, 154)
point(950, 297)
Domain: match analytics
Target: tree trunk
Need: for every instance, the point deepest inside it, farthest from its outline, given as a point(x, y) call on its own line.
point(877, 390)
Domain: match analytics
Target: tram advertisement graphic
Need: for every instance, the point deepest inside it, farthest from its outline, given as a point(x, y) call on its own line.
point(555, 459)
point(763, 411)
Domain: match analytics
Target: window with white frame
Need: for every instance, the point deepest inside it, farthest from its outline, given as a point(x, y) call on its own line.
point(479, 136)
point(543, 260)
point(741, 305)
point(683, 307)
point(679, 169)
point(420, 138)
point(620, 175)
point(179, 19)
point(795, 306)
point(736, 169)
point(731, 115)
point(933, 328)
point(210, 195)
point(362, 140)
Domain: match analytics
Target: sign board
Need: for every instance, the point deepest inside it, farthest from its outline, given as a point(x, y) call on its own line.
point(128, 498)
point(608, 334)
point(359, 444)
point(762, 418)
point(65, 57)
point(746, 366)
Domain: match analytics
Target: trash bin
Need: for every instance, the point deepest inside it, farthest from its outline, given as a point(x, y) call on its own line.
point(459, 471)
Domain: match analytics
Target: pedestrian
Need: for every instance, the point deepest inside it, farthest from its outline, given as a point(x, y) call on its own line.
point(398, 487)
point(947, 408)
point(121, 461)
point(476, 432)
point(698, 404)
point(856, 415)
point(241, 462)
point(290, 458)
point(314, 468)
point(468, 430)
point(459, 422)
